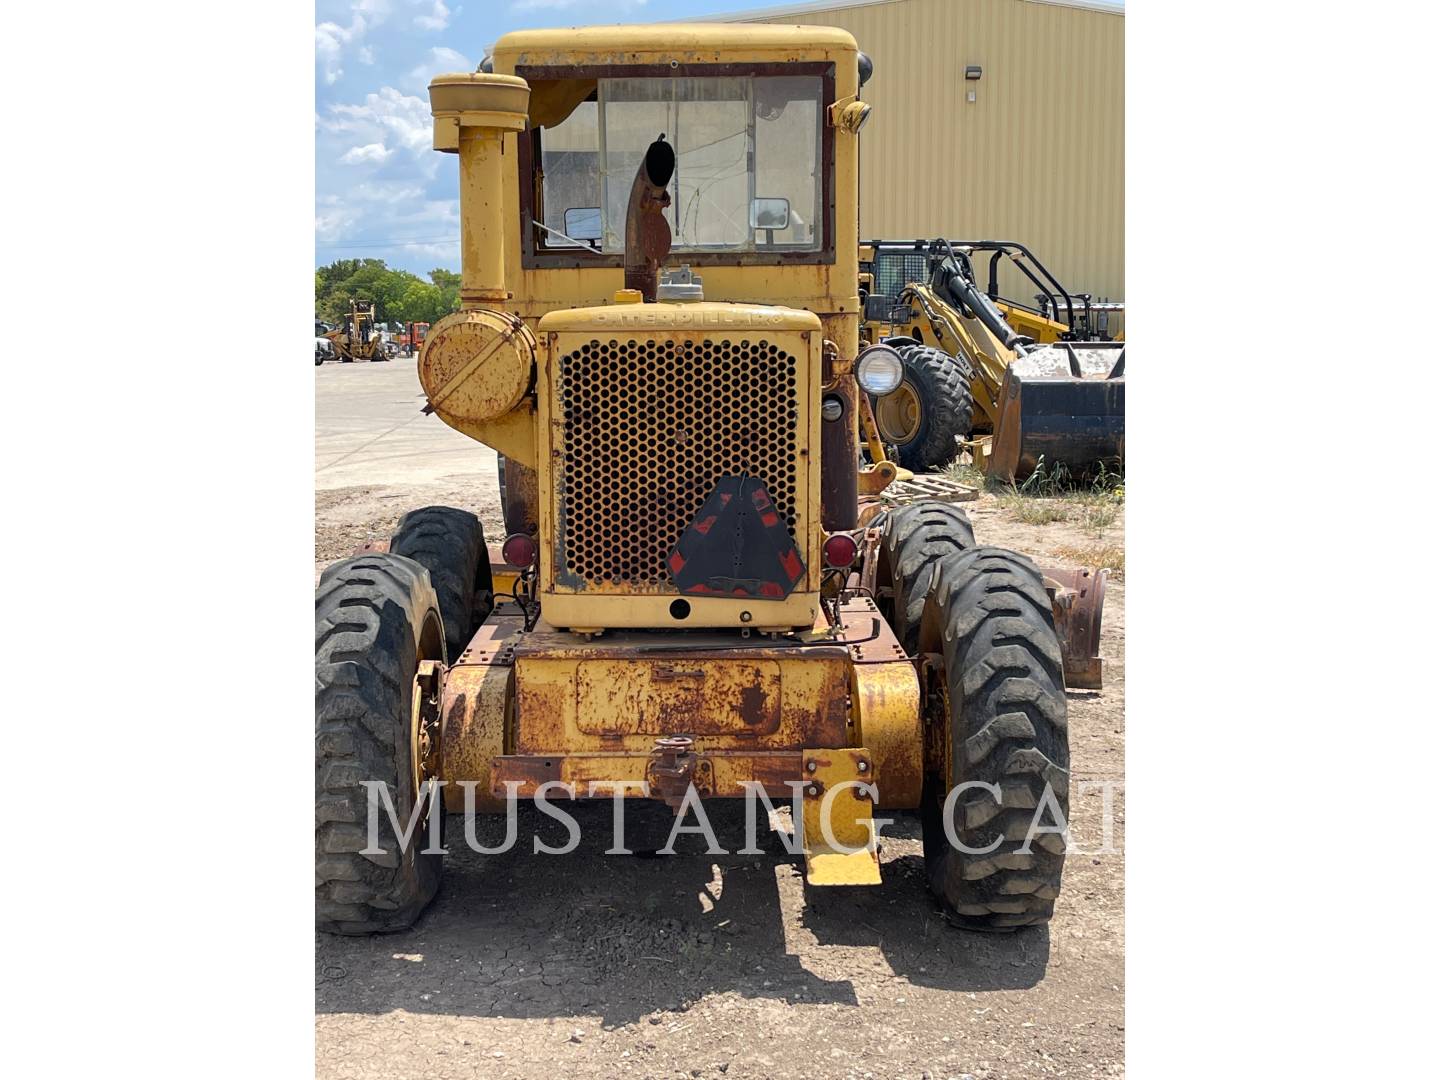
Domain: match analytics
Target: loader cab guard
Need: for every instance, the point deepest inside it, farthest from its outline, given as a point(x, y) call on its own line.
point(898, 261)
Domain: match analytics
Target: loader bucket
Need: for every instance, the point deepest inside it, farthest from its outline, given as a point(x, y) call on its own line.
point(1063, 402)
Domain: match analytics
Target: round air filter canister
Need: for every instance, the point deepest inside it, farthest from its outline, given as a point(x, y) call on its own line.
point(477, 365)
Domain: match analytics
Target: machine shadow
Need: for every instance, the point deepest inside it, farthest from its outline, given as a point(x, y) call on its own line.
point(909, 926)
point(528, 935)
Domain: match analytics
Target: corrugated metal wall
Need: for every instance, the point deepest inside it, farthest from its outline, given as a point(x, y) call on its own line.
point(1039, 157)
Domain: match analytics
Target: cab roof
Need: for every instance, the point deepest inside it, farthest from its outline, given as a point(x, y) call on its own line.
point(695, 42)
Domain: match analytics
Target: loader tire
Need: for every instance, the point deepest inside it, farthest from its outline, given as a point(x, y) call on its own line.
point(450, 544)
point(938, 387)
point(1003, 705)
point(375, 619)
point(916, 539)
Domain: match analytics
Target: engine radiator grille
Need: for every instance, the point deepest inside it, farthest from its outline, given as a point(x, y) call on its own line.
point(649, 427)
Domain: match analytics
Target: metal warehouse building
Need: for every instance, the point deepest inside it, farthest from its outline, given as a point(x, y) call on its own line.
point(1028, 146)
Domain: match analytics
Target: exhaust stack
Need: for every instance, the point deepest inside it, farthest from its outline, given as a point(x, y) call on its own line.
point(647, 233)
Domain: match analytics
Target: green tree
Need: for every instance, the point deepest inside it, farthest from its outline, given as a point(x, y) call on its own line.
point(421, 303)
point(399, 295)
point(448, 282)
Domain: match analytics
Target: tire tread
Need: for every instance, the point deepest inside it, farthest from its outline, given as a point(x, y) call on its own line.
point(1008, 727)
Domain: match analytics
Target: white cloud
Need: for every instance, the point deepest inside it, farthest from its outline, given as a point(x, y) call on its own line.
point(334, 42)
point(334, 220)
point(388, 117)
point(369, 154)
point(438, 19)
point(390, 192)
point(331, 42)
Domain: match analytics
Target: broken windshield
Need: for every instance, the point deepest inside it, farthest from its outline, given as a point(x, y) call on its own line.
point(748, 163)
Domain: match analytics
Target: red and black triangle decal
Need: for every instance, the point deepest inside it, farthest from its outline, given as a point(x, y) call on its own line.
point(738, 545)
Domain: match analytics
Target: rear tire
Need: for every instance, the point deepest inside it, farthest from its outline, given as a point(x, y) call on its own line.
point(941, 385)
point(916, 539)
point(450, 543)
point(375, 619)
point(1003, 705)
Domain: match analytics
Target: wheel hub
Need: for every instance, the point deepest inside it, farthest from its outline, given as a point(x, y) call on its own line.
point(897, 414)
point(425, 725)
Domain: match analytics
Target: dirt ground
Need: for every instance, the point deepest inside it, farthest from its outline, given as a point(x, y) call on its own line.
point(702, 965)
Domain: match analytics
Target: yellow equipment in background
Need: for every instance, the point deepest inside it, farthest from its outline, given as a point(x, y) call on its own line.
point(358, 338)
point(1041, 382)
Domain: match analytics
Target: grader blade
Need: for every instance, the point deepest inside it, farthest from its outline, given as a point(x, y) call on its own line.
point(1065, 404)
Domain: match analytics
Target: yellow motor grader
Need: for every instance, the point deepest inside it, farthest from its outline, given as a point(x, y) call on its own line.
point(358, 338)
point(1022, 382)
point(703, 596)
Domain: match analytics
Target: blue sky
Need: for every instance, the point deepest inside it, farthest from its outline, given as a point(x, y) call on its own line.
point(380, 191)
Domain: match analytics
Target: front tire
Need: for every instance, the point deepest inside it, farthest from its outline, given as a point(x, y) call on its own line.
point(1002, 705)
point(376, 619)
point(450, 543)
point(916, 538)
point(930, 410)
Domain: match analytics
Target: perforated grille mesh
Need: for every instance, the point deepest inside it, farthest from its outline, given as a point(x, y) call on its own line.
point(650, 426)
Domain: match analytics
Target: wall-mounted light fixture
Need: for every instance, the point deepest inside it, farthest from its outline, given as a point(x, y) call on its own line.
point(972, 71)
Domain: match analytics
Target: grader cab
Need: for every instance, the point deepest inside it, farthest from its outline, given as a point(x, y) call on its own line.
point(659, 333)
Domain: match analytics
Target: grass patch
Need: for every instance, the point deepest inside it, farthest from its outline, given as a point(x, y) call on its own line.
point(1100, 556)
point(1036, 511)
point(966, 473)
point(1097, 515)
point(1052, 494)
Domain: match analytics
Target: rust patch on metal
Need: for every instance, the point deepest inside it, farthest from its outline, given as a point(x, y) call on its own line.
point(476, 707)
point(674, 768)
point(1077, 599)
point(662, 698)
point(619, 693)
point(532, 773)
point(885, 696)
point(754, 705)
point(722, 772)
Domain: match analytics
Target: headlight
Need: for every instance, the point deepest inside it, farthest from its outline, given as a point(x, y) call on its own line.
point(878, 369)
point(832, 407)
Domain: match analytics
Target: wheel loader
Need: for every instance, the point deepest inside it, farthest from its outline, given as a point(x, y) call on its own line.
point(358, 338)
point(1024, 383)
point(702, 597)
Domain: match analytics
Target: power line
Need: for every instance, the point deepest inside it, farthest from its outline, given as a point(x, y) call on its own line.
point(388, 243)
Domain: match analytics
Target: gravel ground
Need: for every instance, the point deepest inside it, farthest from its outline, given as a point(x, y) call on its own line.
point(698, 965)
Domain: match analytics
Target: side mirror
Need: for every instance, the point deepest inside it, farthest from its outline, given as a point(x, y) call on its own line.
point(583, 223)
point(769, 213)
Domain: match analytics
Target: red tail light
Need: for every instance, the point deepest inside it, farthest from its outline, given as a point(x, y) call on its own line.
point(519, 550)
point(840, 550)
